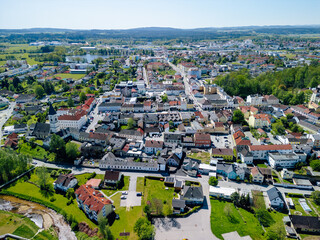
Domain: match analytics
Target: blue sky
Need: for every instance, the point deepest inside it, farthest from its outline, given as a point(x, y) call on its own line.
point(123, 14)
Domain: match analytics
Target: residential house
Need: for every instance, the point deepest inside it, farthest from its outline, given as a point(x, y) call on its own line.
point(111, 177)
point(202, 140)
point(152, 147)
point(262, 151)
point(275, 199)
point(283, 160)
point(259, 121)
point(178, 206)
point(65, 182)
point(192, 195)
point(256, 174)
point(93, 203)
point(305, 224)
point(286, 174)
point(225, 153)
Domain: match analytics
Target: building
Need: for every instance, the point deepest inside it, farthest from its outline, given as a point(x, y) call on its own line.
point(286, 174)
point(220, 192)
point(256, 174)
point(305, 224)
point(95, 183)
point(93, 203)
point(259, 121)
point(192, 195)
point(178, 206)
point(152, 147)
point(202, 140)
point(65, 182)
point(111, 177)
point(283, 160)
point(53, 119)
point(74, 120)
point(275, 198)
point(225, 153)
point(262, 151)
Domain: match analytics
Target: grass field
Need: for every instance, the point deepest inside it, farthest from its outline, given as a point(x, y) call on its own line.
point(140, 186)
point(127, 219)
point(69, 75)
point(29, 189)
point(203, 156)
point(37, 152)
point(83, 178)
point(226, 218)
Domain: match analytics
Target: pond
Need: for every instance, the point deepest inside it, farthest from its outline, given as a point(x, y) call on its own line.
point(42, 216)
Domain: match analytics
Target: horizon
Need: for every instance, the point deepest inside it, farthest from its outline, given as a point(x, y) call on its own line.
point(126, 14)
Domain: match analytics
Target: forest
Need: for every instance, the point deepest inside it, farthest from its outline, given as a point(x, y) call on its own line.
point(290, 85)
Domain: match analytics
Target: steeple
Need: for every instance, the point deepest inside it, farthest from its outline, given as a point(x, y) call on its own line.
point(51, 110)
point(53, 118)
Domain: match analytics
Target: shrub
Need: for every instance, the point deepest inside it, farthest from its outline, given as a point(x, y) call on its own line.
point(52, 199)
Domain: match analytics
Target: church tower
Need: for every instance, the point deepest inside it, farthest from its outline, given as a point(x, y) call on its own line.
point(53, 118)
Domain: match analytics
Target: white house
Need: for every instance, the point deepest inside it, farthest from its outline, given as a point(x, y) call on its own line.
point(262, 151)
point(281, 160)
point(220, 192)
point(275, 198)
point(76, 120)
point(152, 147)
point(65, 182)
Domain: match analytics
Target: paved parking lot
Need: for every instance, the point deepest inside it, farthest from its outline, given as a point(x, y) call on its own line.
point(132, 199)
point(222, 141)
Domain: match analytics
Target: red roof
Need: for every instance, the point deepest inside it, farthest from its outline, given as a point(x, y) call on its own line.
point(92, 198)
point(270, 147)
point(73, 117)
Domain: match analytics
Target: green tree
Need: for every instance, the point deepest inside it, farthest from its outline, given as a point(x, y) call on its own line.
point(70, 194)
point(72, 151)
point(237, 117)
point(83, 97)
point(39, 91)
point(70, 102)
point(235, 197)
point(276, 232)
point(58, 146)
point(315, 164)
point(164, 98)
point(264, 217)
point(157, 205)
point(316, 197)
point(167, 210)
point(131, 123)
point(104, 229)
point(43, 177)
point(144, 229)
point(213, 181)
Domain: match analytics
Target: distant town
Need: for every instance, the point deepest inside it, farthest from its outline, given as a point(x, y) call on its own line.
point(202, 139)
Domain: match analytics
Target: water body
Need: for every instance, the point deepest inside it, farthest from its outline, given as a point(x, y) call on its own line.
point(86, 58)
point(42, 216)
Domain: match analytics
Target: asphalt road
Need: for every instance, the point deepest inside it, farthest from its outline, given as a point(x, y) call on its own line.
point(5, 115)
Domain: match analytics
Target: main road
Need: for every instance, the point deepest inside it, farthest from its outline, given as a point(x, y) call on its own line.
point(5, 115)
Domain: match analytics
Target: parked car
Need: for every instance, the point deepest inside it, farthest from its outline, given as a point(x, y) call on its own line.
point(123, 197)
point(125, 193)
point(139, 194)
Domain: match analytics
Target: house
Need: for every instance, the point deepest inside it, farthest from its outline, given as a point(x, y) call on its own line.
point(262, 151)
point(286, 174)
point(131, 134)
point(259, 121)
point(178, 206)
point(220, 192)
point(283, 160)
point(93, 203)
point(202, 140)
point(111, 177)
point(316, 140)
point(178, 185)
point(275, 199)
point(231, 171)
point(245, 155)
point(73, 119)
point(11, 141)
point(256, 174)
point(172, 138)
point(65, 182)
point(192, 195)
point(152, 147)
point(95, 183)
point(173, 160)
point(305, 224)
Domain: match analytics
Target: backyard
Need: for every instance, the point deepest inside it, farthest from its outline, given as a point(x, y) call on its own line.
point(203, 156)
point(36, 152)
point(70, 75)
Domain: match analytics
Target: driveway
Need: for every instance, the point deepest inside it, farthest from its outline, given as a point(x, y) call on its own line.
point(132, 199)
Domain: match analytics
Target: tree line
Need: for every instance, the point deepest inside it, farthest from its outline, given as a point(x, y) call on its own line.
point(285, 85)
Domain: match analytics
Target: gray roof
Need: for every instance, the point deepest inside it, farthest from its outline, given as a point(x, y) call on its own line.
point(178, 203)
point(192, 192)
point(274, 193)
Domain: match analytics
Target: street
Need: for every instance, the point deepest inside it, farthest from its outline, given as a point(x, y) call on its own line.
point(5, 115)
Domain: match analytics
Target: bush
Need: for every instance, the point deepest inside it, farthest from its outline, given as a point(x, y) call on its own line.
point(52, 199)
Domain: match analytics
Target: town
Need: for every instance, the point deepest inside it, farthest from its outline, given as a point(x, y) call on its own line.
point(218, 139)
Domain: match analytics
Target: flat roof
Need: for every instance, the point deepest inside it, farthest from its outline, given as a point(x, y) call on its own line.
point(207, 167)
point(221, 190)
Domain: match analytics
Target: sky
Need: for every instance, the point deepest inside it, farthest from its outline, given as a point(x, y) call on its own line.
point(124, 14)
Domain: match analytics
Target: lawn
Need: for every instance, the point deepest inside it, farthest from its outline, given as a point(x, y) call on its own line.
point(17, 224)
point(155, 189)
point(262, 165)
point(203, 156)
point(83, 178)
point(30, 191)
point(37, 152)
point(226, 218)
point(127, 219)
point(140, 186)
point(69, 75)
point(300, 209)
